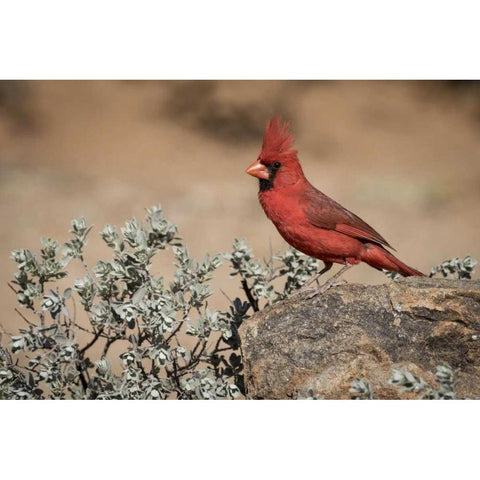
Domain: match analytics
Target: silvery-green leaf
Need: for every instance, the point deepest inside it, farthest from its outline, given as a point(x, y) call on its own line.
point(139, 294)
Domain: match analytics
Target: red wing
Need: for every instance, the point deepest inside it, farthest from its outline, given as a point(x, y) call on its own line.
point(323, 212)
point(364, 232)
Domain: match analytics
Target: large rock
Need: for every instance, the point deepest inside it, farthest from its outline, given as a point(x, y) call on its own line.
point(359, 331)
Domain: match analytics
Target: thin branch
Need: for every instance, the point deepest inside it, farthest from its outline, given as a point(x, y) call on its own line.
point(25, 318)
point(223, 349)
point(174, 332)
point(269, 263)
point(142, 369)
point(195, 359)
point(141, 337)
point(74, 321)
point(215, 350)
point(89, 344)
point(108, 344)
point(41, 316)
point(226, 296)
point(253, 302)
point(85, 266)
point(86, 330)
point(175, 373)
point(195, 348)
point(82, 379)
point(271, 279)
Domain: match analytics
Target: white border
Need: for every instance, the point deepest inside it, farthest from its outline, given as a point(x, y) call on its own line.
point(240, 439)
point(369, 39)
point(241, 40)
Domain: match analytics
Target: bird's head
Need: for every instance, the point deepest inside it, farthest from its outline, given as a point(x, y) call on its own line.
point(277, 164)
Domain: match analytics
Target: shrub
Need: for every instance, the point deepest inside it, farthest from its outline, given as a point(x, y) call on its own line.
point(462, 268)
point(123, 301)
point(172, 344)
point(445, 378)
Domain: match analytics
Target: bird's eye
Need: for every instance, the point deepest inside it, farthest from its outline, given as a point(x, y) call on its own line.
point(276, 165)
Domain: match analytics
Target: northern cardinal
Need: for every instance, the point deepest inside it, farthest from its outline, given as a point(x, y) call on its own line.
point(309, 220)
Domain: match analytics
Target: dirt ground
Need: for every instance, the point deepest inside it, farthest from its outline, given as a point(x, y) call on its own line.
point(405, 156)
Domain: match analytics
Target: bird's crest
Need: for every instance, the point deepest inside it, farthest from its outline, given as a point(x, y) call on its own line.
point(277, 140)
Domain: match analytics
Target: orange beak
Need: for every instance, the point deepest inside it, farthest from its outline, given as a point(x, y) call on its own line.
point(256, 169)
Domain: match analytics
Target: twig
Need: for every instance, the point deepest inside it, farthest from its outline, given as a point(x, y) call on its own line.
point(195, 359)
point(174, 332)
point(85, 266)
point(89, 344)
point(195, 347)
point(82, 379)
point(142, 369)
point(272, 275)
point(226, 296)
point(89, 331)
point(215, 350)
point(175, 372)
point(253, 302)
point(223, 349)
point(74, 321)
point(269, 263)
point(23, 316)
point(41, 316)
point(271, 279)
point(108, 344)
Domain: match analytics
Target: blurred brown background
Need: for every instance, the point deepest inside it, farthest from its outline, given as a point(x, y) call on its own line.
point(405, 156)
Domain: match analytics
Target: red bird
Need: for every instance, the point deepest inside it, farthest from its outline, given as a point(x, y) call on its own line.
point(309, 220)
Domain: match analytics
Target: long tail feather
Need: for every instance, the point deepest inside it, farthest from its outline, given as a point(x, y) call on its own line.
point(378, 257)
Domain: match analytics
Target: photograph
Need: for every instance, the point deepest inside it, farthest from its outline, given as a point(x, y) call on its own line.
point(271, 205)
point(248, 240)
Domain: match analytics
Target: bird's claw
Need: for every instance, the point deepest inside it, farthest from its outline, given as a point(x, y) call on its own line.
point(329, 285)
point(311, 292)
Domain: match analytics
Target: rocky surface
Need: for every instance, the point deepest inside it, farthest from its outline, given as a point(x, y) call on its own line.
point(364, 331)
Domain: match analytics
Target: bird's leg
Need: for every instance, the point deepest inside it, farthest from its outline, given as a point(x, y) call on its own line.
point(331, 282)
point(334, 279)
point(325, 269)
point(307, 287)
